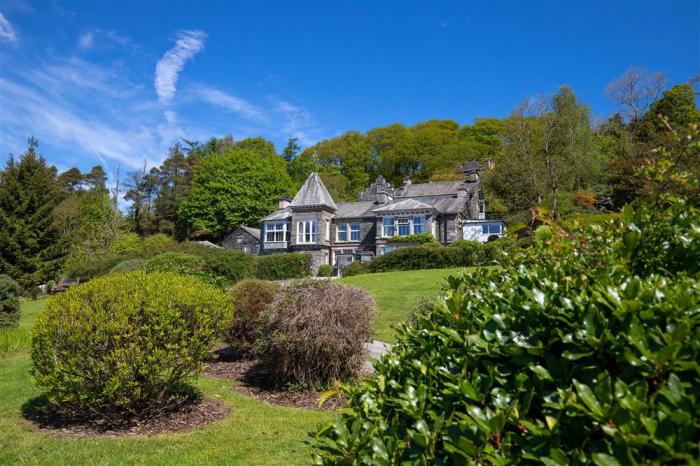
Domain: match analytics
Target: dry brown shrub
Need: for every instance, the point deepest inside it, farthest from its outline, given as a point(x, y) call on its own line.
point(315, 332)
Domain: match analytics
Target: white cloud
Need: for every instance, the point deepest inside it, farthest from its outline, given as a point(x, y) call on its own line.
point(87, 40)
point(7, 32)
point(230, 103)
point(298, 122)
point(168, 68)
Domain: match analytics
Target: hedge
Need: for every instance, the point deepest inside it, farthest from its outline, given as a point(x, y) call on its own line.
point(281, 266)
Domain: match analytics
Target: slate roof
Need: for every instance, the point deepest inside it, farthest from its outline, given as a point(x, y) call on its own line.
point(403, 204)
point(431, 189)
point(254, 232)
point(279, 214)
point(313, 193)
point(355, 209)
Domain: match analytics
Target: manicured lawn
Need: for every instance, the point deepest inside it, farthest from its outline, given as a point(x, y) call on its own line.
point(254, 433)
point(396, 293)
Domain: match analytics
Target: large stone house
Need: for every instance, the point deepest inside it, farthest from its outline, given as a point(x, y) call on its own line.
point(380, 221)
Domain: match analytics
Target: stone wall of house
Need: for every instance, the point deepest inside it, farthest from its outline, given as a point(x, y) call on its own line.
point(242, 240)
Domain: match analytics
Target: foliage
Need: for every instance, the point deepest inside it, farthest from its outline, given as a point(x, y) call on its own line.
point(591, 356)
point(126, 244)
point(315, 332)
point(156, 241)
point(250, 299)
point(9, 301)
point(185, 264)
point(354, 268)
point(29, 241)
point(420, 238)
point(93, 268)
point(233, 265)
point(232, 189)
point(128, 265)
point(324, 270)
point(281, 266)
point(125, 345)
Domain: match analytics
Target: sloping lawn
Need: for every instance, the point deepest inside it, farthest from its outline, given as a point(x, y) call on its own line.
point(254, 433)
point(396, 293)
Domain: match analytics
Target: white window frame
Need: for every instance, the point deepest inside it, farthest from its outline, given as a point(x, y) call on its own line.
point(385, 227)
point(405, 222)
point(486, 229)
point(342, 228)
point(327, 231)
point(307, 232)
point(276, 232)
point(355, 228)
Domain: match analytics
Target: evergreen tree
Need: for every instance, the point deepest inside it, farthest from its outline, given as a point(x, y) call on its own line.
point(29, 240)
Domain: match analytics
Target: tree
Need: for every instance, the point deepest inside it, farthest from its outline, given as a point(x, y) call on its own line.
point(291, 150)
point(29, 247)
point(677, 107)
point(635, 90)
point(71, 180)
point(231, 189)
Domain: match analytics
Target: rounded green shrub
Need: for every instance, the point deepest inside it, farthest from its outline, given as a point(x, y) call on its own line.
point(315, 332)
point(157, 241)
point(250, 298)
point(125, 244)
point(168, 261)
point(124, 345)
point(354, 268)
point(583, 352)
point(128, 265)
point(281, 266)
point(9, 301)
point(324, 270)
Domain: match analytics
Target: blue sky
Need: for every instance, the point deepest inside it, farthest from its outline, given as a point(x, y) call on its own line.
point(118, 82)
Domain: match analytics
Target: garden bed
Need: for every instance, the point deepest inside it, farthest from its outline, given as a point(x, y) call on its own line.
point(194, 414)
point(253, 380)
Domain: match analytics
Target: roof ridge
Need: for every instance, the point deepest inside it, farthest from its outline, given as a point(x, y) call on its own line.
point(313, 193)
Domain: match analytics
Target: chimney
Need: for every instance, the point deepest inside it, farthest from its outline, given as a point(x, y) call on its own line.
point(383, 197)
point(283, 203)
point(462, 190)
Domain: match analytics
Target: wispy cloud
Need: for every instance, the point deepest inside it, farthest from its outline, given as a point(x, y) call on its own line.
point(298, 122)
point(168, 68)
point(87, 40)
point(7, 32)
point(230, 103)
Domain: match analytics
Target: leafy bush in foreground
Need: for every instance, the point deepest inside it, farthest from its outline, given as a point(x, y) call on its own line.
point(124, 345)
point(566, 356)
point(250, 298)
point(315, 331)
point(9, 301)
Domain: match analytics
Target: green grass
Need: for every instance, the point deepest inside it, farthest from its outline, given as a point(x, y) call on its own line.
point(396, 294)
point(254, 433)
point(14, 339)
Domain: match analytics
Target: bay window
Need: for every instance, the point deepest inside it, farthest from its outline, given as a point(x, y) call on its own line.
point(404, 226)
point(275, 232)
point(418, 224)
point(307, 232)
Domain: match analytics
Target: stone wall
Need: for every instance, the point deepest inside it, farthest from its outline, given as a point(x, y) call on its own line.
point(243, 241)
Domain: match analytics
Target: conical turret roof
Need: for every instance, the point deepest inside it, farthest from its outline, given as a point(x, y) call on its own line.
point(313, 193)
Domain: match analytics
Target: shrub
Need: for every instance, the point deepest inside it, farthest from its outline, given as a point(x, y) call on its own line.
point(586, 351)
point(231, 264)
point(126, 244)
point(157, 241)
point(128, 265)
point(250, 298)
point(354, 268)
point(94, 268)
point(9, 301)
point(457, 254)
point(185, 264)
point(281, 266)
point(325, 270)
point(124, 345)
point(315, 331)
point(419, 238)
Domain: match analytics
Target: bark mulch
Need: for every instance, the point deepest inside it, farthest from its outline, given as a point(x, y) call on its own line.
point(253, 380)
point(193, 414)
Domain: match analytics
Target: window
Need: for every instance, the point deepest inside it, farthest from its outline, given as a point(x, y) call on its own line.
point(327, 232)
point(354, 232)
point(418, 225)
point(275, 232)
point(491, 229)
point(342, 232)
point(387, 249)
point(389, 230)
point(307, 232)
point(404, 226)
point(482, 207)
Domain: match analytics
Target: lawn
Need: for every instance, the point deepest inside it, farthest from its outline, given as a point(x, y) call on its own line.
point(254, 433)
point(396, 293)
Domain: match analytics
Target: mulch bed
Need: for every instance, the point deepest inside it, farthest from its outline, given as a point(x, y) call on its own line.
point(253, 380)
point(193, 414)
